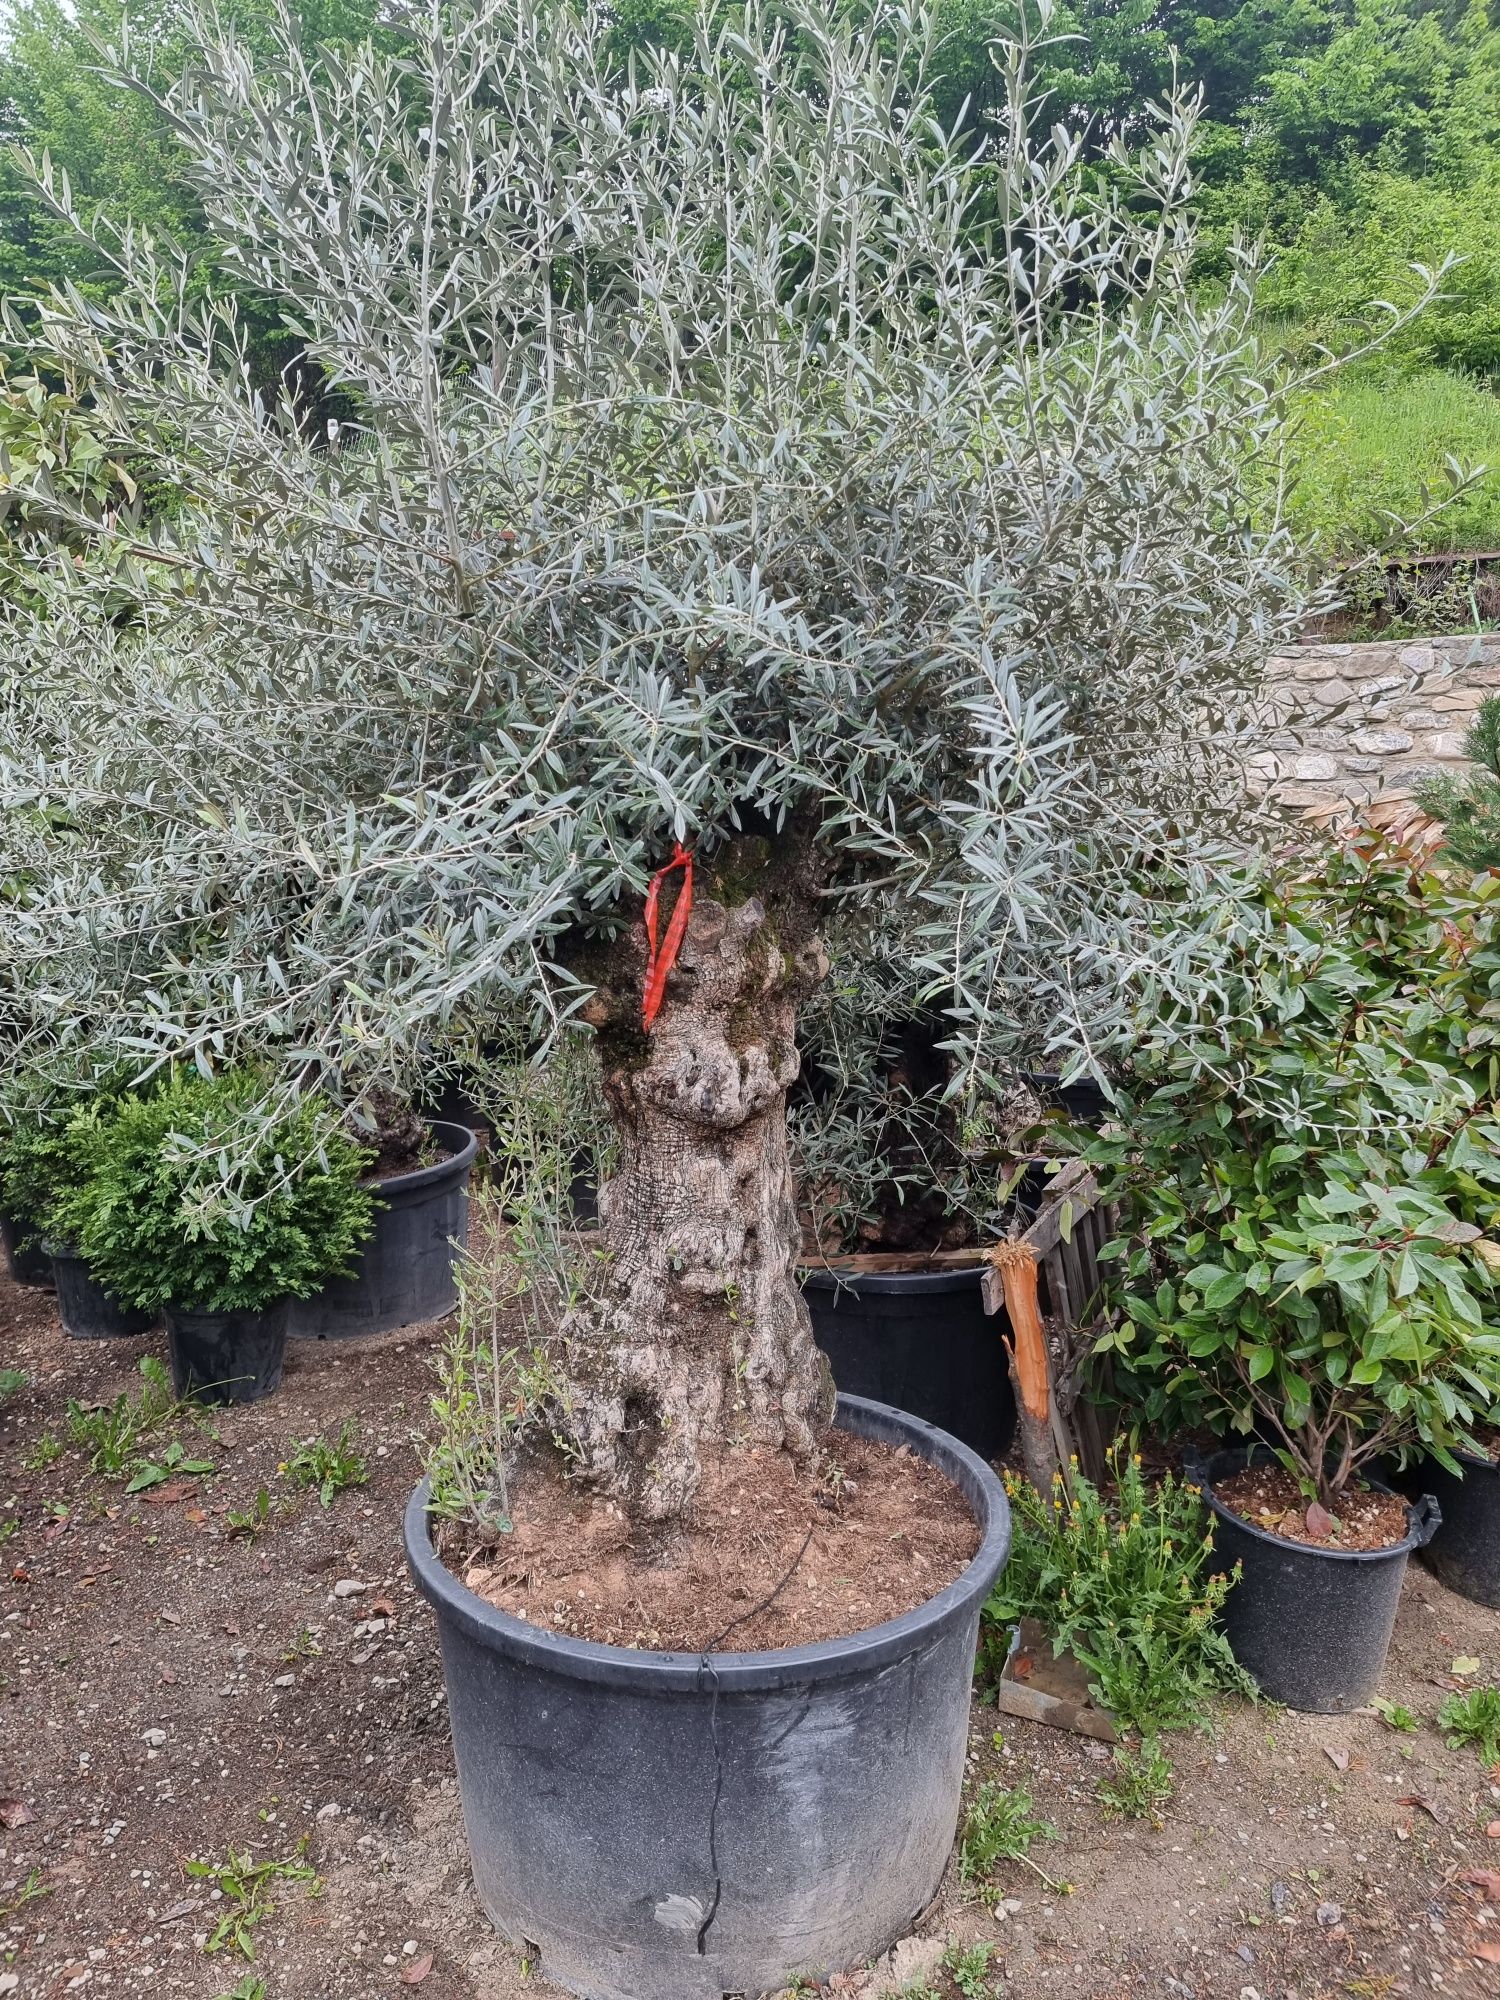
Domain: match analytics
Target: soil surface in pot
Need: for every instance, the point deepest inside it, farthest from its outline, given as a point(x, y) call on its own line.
point(1269, 1498)
point(170, 1688)
point(770, 1558)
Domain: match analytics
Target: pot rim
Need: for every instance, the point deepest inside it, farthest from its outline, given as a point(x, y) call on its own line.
point(1423, 1516)
point(461, 1138)
point(743, 1673)
point(952, 1278)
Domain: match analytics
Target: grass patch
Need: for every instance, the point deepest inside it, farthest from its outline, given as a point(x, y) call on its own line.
point(1369, 447)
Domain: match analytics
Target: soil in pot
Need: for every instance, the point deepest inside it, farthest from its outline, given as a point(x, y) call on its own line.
point(920, 1340)
point(1309, 1620)
point(1368, 1517)
point(86, 1310)
point(227, 1357)
point(880, 1532)
point(1465, 1551)
point(406, 1268)
point(25, 1259)
point(685, 1825)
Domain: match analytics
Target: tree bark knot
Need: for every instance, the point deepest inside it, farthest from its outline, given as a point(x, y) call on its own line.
point(698, 1334)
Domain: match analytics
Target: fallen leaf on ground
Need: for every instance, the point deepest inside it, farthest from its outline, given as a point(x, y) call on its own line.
point(168, 1495)
point(381, 1607)
point(1319, 1521)
point(180, 1910)
point(1465, 1664)
point(418, 1970)
point(1338, 1758)
point(197, 1515)
point(1416, 1799)
point(1490, 1953)
point(1486, 1879)
point(15, 1812)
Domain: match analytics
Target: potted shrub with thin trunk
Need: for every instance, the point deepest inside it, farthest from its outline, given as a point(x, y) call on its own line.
point(775, 545)
point(158, 1228)
point(1306, 1183)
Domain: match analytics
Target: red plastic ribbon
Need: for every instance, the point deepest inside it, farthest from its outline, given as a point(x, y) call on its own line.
point(660, 961)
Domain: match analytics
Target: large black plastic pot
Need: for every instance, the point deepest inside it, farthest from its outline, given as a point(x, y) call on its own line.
point(1083, 1100)
point(25, 1259)
point(227, 1357)
point(86, 1310)
point(1312, 1626)
point(681, 1826)
point(405, 1271)
point(1465, 1551)
point(920, 1341)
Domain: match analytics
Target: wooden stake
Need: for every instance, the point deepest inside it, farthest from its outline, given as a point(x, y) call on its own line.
point(1030, 1368)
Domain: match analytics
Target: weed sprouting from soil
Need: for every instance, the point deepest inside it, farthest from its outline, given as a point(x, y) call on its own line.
point(969, 1970)
point(46, 1451)
point(12, 1382)
point(116, 1434)
point(1473, 1718)
point(244, 1885)
point(331, 1465)
point(1001, 1826)
point(1141, 1784)
point(1395, 1716)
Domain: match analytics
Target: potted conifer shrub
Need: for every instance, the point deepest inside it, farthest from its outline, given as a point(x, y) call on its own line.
point(1302, 1262)
point(158, 1229)
point(688, 625)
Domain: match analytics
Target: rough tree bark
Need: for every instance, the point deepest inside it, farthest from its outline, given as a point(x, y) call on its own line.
point(698, 1334)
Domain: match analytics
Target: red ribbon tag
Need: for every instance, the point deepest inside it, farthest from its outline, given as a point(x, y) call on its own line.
point(660, 962)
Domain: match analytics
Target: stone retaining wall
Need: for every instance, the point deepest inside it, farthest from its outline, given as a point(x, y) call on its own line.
point(1352, 722)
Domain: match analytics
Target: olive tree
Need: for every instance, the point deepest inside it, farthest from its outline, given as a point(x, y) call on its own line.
point(730, 457)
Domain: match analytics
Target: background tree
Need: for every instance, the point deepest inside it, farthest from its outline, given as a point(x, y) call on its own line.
point(738, 463)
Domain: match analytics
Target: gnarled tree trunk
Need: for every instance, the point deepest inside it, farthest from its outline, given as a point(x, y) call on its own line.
point(697, 1334)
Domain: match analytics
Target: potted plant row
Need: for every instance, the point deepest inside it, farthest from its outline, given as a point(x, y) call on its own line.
point(1303, 1262)
point(150, 1217)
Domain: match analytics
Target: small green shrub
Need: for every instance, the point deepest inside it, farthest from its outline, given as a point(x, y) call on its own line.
point(203, 1197)
point(12, 1381)
point(1126, 1585)
point(329, 1464)
point(1473, 1718)
point(1306, 1162)
point(1141, 1784)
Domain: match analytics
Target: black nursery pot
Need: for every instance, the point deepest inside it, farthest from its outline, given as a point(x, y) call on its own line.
point(25, 1259)
point(405, 1270)
point(677, 1826)
point(1312, 1626)
point(227, 1357)
point(1465, 1551)
point(86, 1310)
point(1083, 1100)
point(920, 1341)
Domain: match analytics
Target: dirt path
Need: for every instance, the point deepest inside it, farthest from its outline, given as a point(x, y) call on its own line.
point(170, 1691)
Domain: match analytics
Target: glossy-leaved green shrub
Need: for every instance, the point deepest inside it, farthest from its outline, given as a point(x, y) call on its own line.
point(198, 1197)
point(1307, 1162)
